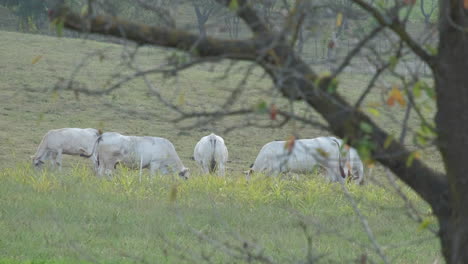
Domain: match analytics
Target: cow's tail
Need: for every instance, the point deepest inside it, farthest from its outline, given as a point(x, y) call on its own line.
point(87, 155)
point(213, 140)
point(342, 172)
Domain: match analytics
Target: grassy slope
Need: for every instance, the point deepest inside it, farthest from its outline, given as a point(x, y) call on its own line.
point(76, 216)
point(73, 215)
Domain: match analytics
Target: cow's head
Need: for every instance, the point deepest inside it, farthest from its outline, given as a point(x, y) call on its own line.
point(354, 173)
point(184, 173)
point(37, 163)
point(248, 173)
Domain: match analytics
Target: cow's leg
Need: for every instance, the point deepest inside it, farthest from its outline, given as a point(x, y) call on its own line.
point(164, 169)
point(58, 159)
point(331, 175)
point(109, 168)
point(51, 157)
point(106, 167)
point(221, 169)
point(335, 174)
point(205, 167)
point(153, 167)
point(273, 172)
point(101, 169)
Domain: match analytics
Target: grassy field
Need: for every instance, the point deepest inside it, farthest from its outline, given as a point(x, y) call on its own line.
point(73, 217)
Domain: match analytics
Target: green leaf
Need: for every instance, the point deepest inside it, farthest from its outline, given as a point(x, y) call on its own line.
point(233, 5)
point(430, 91)
point(181, 99)
point(373, 111)
point(339, 19)
point(364, 152)
point(59, 27)
point(420, 140)
point(365, 127)
point(36, 59)
point(262, 107)
point(431, 49)
point(411, 157)
point(388, 141)
point(364, 147)
point(84, 10)
point(393, 62)
point(417, 88)
point(424, 133)
point(332, 86)
point(426, 130)
point(420, 86)
point(381, 3)
point(425, 223)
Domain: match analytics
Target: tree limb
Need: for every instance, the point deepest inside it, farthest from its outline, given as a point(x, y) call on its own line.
point(399, 29)
point(249, 15)
point(143, 34)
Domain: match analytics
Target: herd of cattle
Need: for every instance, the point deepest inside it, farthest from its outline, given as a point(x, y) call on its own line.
point(108, 149)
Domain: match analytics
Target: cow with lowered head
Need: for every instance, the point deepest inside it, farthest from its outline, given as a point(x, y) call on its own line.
point(155, 153)
point(68, 141)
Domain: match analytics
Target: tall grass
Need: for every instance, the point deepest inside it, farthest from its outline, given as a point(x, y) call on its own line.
point(73, 216)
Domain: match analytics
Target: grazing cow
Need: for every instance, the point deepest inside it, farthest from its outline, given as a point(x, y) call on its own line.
point(211, 154)
point(275, 158)
point(155, 153)
point(69, 141)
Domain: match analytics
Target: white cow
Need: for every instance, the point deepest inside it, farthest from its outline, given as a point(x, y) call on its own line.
point(155, 153)
point(69, 141)
point(211, 154)
point(275, 158)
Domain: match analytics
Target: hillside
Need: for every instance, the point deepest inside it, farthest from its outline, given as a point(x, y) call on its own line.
point(72, 216)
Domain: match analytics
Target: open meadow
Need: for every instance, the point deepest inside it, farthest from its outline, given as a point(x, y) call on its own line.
point(74, 217)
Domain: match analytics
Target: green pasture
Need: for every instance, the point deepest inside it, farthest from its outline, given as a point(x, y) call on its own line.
point(72, 216)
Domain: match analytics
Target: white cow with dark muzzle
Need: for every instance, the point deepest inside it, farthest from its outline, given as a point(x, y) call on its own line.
point(68, 141)
point(211, 154)
point(275, 158)
point(154, 153)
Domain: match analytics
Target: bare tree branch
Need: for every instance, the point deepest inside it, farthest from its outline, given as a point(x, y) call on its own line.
point(249, 15)
point(172, 38)
point(396, 26)
point(357, 48)
point(163, 13)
